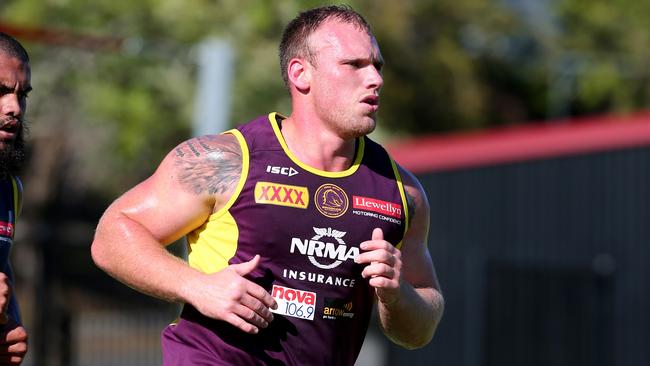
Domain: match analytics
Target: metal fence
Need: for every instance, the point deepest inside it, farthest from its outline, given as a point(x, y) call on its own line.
point(542, 262)
point(118, 338)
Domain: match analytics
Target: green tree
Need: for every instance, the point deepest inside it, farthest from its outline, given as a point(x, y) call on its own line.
point(450, 65)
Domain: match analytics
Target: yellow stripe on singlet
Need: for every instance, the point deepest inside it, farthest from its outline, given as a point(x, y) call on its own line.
point(400, 186)
point(14, 184)
point(212, 245)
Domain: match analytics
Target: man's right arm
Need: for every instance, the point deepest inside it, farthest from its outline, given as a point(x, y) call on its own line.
point(193, 181)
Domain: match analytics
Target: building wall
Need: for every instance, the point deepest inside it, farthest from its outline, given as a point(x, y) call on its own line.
point(542, 260)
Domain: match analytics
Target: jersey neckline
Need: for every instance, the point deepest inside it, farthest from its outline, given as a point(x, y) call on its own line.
point(344, 173)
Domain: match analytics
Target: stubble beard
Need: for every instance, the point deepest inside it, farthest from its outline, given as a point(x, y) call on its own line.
point(12, 155)
point(356, 128)
point(349, 126)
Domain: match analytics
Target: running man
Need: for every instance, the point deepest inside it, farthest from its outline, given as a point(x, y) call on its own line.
point(295, 225)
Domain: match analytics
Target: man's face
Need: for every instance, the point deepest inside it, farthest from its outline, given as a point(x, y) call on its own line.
point(14, 86)
point(346, 78)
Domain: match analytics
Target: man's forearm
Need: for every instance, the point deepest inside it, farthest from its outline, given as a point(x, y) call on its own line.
point(128, 253)
point(412, 320)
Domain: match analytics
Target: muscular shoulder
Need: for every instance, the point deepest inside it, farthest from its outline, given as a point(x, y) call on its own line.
point(208, 164)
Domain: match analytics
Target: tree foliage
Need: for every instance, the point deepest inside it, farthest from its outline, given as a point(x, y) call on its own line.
point(450, 65)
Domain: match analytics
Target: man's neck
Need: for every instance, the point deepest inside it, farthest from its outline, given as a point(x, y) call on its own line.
point(316, 146)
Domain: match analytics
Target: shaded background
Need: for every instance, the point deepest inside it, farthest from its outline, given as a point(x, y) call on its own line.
point(115, 84)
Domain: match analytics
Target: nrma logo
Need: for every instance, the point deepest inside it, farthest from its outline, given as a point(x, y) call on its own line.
point(325, 254)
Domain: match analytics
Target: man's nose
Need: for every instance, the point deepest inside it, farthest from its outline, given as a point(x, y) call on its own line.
point(375, 80)
point(11, 105)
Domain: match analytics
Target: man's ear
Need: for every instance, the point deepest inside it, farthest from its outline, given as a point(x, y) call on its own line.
point(299, 74)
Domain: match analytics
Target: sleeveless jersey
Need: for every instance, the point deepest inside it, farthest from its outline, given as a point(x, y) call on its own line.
point(9, 202)
point(306, 225)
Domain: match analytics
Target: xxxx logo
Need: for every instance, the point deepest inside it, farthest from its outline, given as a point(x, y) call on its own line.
point(281, 195)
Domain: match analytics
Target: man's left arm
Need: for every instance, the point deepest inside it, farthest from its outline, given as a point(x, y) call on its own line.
point(12, 309)
point(410, 303)
point(13, 336)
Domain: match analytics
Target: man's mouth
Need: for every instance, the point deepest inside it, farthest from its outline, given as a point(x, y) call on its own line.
point(371, 99)
point(9, 128)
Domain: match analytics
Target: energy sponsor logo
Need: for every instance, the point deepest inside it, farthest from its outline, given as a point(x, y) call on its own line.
point(337, 309)
point(281, 195)
point(292, 302)
point(6, 229)
point(281, 170)
point(325, 253)
point(382, 207)
point(331, 200)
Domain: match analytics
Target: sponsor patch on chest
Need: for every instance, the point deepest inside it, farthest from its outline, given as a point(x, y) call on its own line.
point(281, 194)
point(335, 309)
point(6, 229)
point(293, 302)
point(375, 205)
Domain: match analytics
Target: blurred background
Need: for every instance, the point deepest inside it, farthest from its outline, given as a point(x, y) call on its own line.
point(524, 119)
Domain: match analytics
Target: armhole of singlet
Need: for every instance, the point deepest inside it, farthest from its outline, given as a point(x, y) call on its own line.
point(242, 178)
point(17, 188)
point(400, 186)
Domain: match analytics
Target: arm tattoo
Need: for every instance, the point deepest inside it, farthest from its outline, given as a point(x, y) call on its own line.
point(209, 164)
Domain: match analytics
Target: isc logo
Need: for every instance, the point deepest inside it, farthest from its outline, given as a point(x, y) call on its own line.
point(290, 171)
point(281, 195)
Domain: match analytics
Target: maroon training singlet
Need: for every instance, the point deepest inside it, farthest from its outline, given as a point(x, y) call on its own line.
point(306, 225)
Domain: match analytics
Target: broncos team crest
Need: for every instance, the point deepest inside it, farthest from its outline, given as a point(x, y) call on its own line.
point(331, 200)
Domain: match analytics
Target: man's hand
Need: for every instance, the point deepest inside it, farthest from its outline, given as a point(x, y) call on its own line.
point(13, 343)
point(384, 267)
point(228, 296)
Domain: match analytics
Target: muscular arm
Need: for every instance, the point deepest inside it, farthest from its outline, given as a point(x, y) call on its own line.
point(193, 181)
point(410, 303)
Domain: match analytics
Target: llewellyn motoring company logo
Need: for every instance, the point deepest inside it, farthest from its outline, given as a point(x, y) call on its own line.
point(331, 200)
point(376, 205)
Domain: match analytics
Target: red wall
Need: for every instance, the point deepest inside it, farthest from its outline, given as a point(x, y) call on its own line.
point(522, 143)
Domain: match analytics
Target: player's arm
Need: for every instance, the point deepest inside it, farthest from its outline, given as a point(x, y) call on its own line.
point(410, 303)
point(8, 302)
point(13, 336)
point(193, 181)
